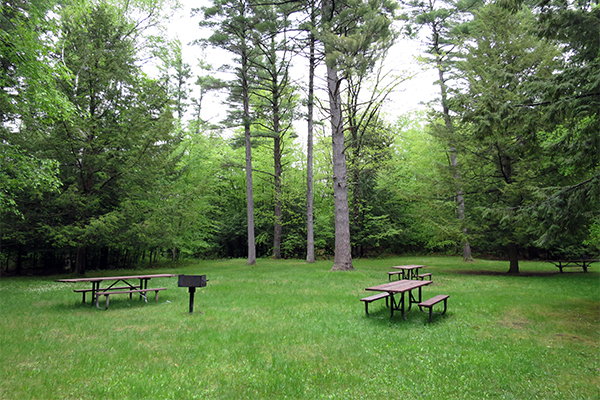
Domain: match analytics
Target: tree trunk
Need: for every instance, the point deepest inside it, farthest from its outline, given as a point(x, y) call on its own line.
point(80, 261)
point(513, 256)
point(343, 250)
point(356, 192)
point(19, 262)
point(249, 190)
point(310, 235)
point(467, 247)
point(277, 167)
point(460, 201)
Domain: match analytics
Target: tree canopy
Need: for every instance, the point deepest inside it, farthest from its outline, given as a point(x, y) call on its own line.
point(105, 165)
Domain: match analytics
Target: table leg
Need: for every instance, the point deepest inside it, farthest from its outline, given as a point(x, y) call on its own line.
point(143, 285)
point(402, 306)
point(95, 289)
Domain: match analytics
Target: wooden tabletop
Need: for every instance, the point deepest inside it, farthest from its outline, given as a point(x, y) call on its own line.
point(409, 267)
point(399, 286)
point(116, 278)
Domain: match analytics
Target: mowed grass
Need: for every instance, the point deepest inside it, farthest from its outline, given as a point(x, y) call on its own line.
point(287, 329)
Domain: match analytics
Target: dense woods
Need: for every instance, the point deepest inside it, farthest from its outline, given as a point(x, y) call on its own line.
point(104, 165)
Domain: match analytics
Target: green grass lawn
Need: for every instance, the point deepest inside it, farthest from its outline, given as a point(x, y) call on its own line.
point(287, 329)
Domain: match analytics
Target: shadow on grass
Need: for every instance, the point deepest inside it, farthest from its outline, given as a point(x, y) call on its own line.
point(414, 318)
point(500, 273)
point(117, 304)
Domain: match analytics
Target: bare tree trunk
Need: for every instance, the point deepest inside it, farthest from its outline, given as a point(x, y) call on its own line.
point(277, 226)
point(343, 250)
point(249, 190)
point(310, 234)
point(460, 201)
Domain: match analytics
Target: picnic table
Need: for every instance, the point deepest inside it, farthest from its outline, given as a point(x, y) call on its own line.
point(401, 287)
point(582, 263)
point(409, 271)
point(126, 286)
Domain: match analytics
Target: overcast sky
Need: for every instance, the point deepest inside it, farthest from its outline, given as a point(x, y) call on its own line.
point(409, 96)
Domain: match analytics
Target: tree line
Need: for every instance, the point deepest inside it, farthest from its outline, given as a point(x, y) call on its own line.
point(104, 166)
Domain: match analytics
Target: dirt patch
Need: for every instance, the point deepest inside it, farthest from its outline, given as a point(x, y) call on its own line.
point(514, 320)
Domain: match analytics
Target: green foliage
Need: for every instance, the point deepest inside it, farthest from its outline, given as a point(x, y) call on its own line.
point(354, 31)
point(499, 140)
point(416, 179)
point(92, 163)
point(112, 148)
point(28, 68)
point(21, 173)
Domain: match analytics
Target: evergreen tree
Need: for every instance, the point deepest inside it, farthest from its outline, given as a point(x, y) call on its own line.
point(352, 33)
point(275, 99)
point(503, 63)
point(445, 21)
point(567, 209)
point(233, 21)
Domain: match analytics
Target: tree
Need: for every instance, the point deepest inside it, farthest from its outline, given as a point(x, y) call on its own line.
point(566, 208)
point(352, 34)
point(233, 33)
point(310, 226)
point(505, 60)
point(27, 73)
point(275, 98)
point(115, 145)
point(310, 26)
point(176, 73)
point(205, 84)
point(444, 22)
point(369, 145)
point(412, 192)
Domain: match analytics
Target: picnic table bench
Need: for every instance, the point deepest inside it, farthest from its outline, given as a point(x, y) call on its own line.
point(142, 292)
point(423, 276)
point(84, 291)
point(581, 263)
point(378, 296)
point(125, 287)
point(392, 273)
point(433, 301)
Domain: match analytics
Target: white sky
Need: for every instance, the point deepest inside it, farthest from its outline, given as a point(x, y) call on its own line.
point(408, 97)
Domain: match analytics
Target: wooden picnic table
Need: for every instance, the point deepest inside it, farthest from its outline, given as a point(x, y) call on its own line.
point(126, 287)
point(582, 263)
point(410, 271)
point(401, 287)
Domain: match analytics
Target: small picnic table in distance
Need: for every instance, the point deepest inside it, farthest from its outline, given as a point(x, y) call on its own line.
point(127, 287)
point(401, 287)
point(409, 271)
point(583, 263)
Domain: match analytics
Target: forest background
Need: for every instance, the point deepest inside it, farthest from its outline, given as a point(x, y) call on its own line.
point(106, 166)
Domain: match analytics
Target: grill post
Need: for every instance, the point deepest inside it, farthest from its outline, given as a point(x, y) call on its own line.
point(192, 290)
point(192, 282)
